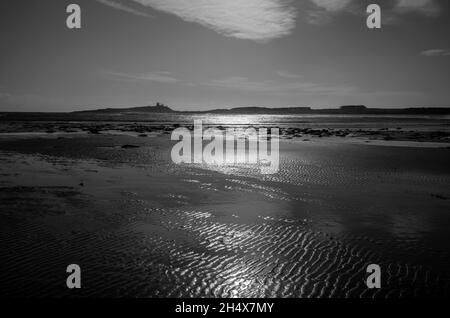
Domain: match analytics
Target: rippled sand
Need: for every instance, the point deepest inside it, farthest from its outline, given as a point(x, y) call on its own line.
point(140, 226)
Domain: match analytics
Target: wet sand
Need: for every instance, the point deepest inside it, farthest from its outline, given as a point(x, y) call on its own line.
point(415, 130)
point(141, 226)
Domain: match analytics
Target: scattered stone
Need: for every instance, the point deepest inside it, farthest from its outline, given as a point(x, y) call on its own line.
point(130, 146)
point(438, 196)
point(94, 131)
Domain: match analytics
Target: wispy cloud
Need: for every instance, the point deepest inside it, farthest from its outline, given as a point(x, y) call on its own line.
point(436, 52)
point(288, 75)
point(278, 87)
point(421, 6)
point(426, 7)
point(332, 5)
point(160, 77)
point(318, 17)
point(323, 11)
point(285, 84)
point(4, 95)
point(258, 20)
point(120, 6)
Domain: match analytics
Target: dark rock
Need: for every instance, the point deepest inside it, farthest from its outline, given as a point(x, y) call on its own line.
point(130, 146)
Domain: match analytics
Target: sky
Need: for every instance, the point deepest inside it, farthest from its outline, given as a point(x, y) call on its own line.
point(207, 54)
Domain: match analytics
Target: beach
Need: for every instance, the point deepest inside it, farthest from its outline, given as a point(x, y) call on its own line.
point(225, 156)
point(139, 225)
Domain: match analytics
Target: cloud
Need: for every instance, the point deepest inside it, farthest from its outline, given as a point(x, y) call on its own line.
point(332, 5)
point(420, 6)
point(278, 87)
point(240, 83)
point(288, 75)
point(160, 77)
point(258, 20)
point(4, 95)
point(121, 6)
point(436, 52)
point(427, 7)
point(318, 17)
point(323, 11)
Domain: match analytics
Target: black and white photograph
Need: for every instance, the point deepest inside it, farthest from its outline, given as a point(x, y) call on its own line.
point(225, 154)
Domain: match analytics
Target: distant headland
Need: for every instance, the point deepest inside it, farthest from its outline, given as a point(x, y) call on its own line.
point(342, 110)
